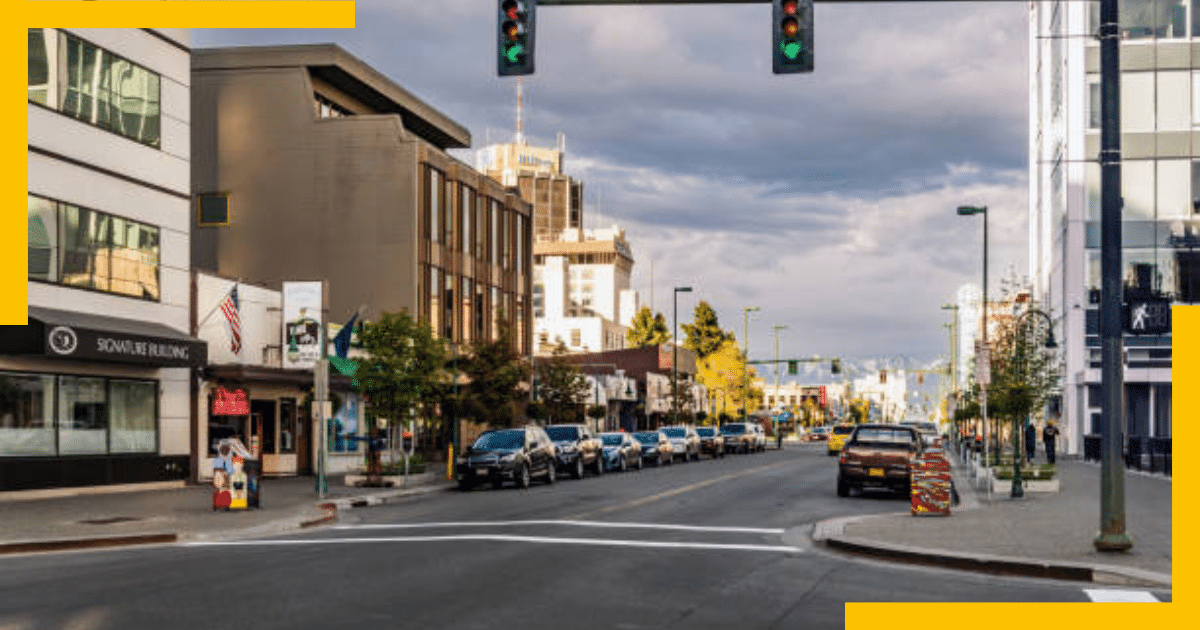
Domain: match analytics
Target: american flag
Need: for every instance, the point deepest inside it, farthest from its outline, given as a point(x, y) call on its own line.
point(229, 306)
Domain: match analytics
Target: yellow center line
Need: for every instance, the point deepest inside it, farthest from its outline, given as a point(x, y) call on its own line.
point(670, 493)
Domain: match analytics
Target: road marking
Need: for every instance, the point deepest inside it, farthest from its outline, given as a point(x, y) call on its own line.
point(1107, 595)
point(675, 491)
point(499, 538)
point(690, 528)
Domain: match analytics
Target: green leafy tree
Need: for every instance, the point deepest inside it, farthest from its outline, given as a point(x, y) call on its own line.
point(1024, 373)
point(704, 334)
point(648, 330)
point(596, 412)
point(561, 387)
point(403, 372)
point(494, 372)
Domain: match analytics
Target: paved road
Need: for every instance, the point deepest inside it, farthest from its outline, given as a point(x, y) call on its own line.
point(710, 544)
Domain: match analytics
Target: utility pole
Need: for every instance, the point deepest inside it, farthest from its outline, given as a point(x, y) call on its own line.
point(746, 358)
point(777, 328)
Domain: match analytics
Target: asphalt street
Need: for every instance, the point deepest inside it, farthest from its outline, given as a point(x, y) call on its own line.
point(709, 544)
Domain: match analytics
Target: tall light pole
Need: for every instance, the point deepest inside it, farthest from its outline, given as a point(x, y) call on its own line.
point(1023, 365)
point(746, 357)
point(776, 328)
point(1112, 536)
point(953, 326)
point(675, 349)
point(967, 211)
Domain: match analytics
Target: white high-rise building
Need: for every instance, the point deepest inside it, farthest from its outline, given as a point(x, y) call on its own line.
point(1160, 185)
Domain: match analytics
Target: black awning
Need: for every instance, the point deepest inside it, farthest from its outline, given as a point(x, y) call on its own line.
point(88, 337)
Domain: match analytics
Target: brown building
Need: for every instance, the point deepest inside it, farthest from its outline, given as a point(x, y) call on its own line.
point(334, 172)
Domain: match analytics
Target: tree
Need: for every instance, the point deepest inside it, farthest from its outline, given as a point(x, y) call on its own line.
point(495, 372)
point(648, 330)
point(560, 387)
point(723, 373)
point(597, 412)
point(404, 369)
point(704, 334)
point(1024, 374)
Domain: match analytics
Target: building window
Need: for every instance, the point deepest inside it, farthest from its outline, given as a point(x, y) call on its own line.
point(90, 249)
point(1137, 101)
point(494, 255)
point(468, 311)
point(287, 425)
point(478, 315)
point(132, 416)
point(82, 416)
point(90, 84)
point(448, 300)
point(434, 205)
point(435, 300)
point(466, 198)
point(496, 314)
point(1094, 110)
point(448, 213)
point(26, 414)
point(325, 108)
point(480, 228)
point(576, 338)
point(1173, 105)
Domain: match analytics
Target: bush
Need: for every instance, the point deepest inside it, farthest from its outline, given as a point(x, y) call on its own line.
point(1036, 473)
point(416, 465)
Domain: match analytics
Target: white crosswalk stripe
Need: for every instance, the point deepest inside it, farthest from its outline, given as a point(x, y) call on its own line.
point(1109, 595)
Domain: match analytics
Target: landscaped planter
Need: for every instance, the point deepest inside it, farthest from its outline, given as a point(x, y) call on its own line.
point(395, 481)
point(1029, 485)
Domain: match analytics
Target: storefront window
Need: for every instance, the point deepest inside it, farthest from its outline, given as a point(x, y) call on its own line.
point(26, 414)
point(345, 426)
point(132, 416)
point(82, 416)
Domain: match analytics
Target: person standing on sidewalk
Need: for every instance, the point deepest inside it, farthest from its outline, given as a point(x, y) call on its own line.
point(1049, 436)
point(1030, 442)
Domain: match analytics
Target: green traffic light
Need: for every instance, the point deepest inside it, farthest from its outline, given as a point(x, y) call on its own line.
point(792, 50)
point(514, 52)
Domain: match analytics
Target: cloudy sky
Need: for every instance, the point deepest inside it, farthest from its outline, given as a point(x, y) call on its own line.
point(825, 199)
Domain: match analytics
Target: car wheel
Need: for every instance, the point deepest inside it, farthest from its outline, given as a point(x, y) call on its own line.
point(696, 456)
point(551, 475)
point(463, 484)
point(843, 487)
point(578, 472)
point(498, 483)
point(599, 465)
point(639, 462)
point(523, 478)
point(623, 464)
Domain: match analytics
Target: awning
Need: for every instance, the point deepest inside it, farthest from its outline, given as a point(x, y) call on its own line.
point(89, 337)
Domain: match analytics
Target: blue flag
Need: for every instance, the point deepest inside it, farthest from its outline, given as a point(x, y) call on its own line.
point(341, 343)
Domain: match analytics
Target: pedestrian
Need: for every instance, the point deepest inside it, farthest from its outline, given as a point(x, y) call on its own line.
point(1049, 436)
point(1030, 442)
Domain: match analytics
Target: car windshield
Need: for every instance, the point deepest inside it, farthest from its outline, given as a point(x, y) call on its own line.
point(733, 429)
point(560, 434)
point(646, 438)
point(611, 439)
point(842, 430)
point(706, 432)
point(675, 432)
point(500, 440)
point(884, 436)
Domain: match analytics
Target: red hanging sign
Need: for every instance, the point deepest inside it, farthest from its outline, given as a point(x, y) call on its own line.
point(230, 402)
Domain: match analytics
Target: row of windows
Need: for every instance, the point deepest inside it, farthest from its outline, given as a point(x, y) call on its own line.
point(463, 310)
point(1173, 272)
point(46, 414)
point(1163, 190)
point(86, 82)
point(476, 225)
point(1152, 101)
point(90, 249)
point(1152, 19)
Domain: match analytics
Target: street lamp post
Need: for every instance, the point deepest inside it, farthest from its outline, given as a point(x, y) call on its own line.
point(746, 357)
point(777, 328)
point(967, 211)
point(953, 326)
point(675, 349)
point(1017, 489)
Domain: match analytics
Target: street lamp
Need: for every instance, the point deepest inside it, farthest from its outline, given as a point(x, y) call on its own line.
point(746, 357)
point(1017, 489)
point(953, 326)
point(968, 211)
point(675, 349)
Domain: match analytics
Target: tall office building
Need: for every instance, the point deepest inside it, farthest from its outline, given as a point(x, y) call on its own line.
point(1160, 185)
point(537, 172)
point(95, 389)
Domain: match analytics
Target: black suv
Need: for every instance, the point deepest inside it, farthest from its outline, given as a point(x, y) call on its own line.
point(504, 454)
point(578, 448)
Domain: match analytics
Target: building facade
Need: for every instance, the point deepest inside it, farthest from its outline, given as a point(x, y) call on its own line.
point(1160, 181)
point(96, 389)
point(334, 172)
point(537, 172)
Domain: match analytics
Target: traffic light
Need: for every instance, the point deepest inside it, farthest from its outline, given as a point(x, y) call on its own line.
point(793, 368)
point(792, 28)
point(835, 367)
point(515, 37)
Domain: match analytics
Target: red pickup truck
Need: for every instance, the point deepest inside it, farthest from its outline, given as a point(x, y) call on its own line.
point(878, 455)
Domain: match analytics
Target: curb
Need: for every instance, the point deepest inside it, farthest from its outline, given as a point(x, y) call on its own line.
point(86, 543)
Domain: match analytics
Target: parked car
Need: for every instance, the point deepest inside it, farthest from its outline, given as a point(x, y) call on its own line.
point(621, 452)
point(684, 442)
point(507, 454)
point(928, 430)
point(819, 434)
point(758, 436)
point(578, 449)
point(711, 441)
point(837, 437)
point(655, 447)
point(738, 438)
point(878, 455)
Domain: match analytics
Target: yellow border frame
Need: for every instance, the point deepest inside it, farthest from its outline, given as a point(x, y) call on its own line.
point(228, 209)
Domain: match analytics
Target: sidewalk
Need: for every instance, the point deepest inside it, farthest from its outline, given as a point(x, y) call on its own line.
point(180, 514)
point(1041, 534)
